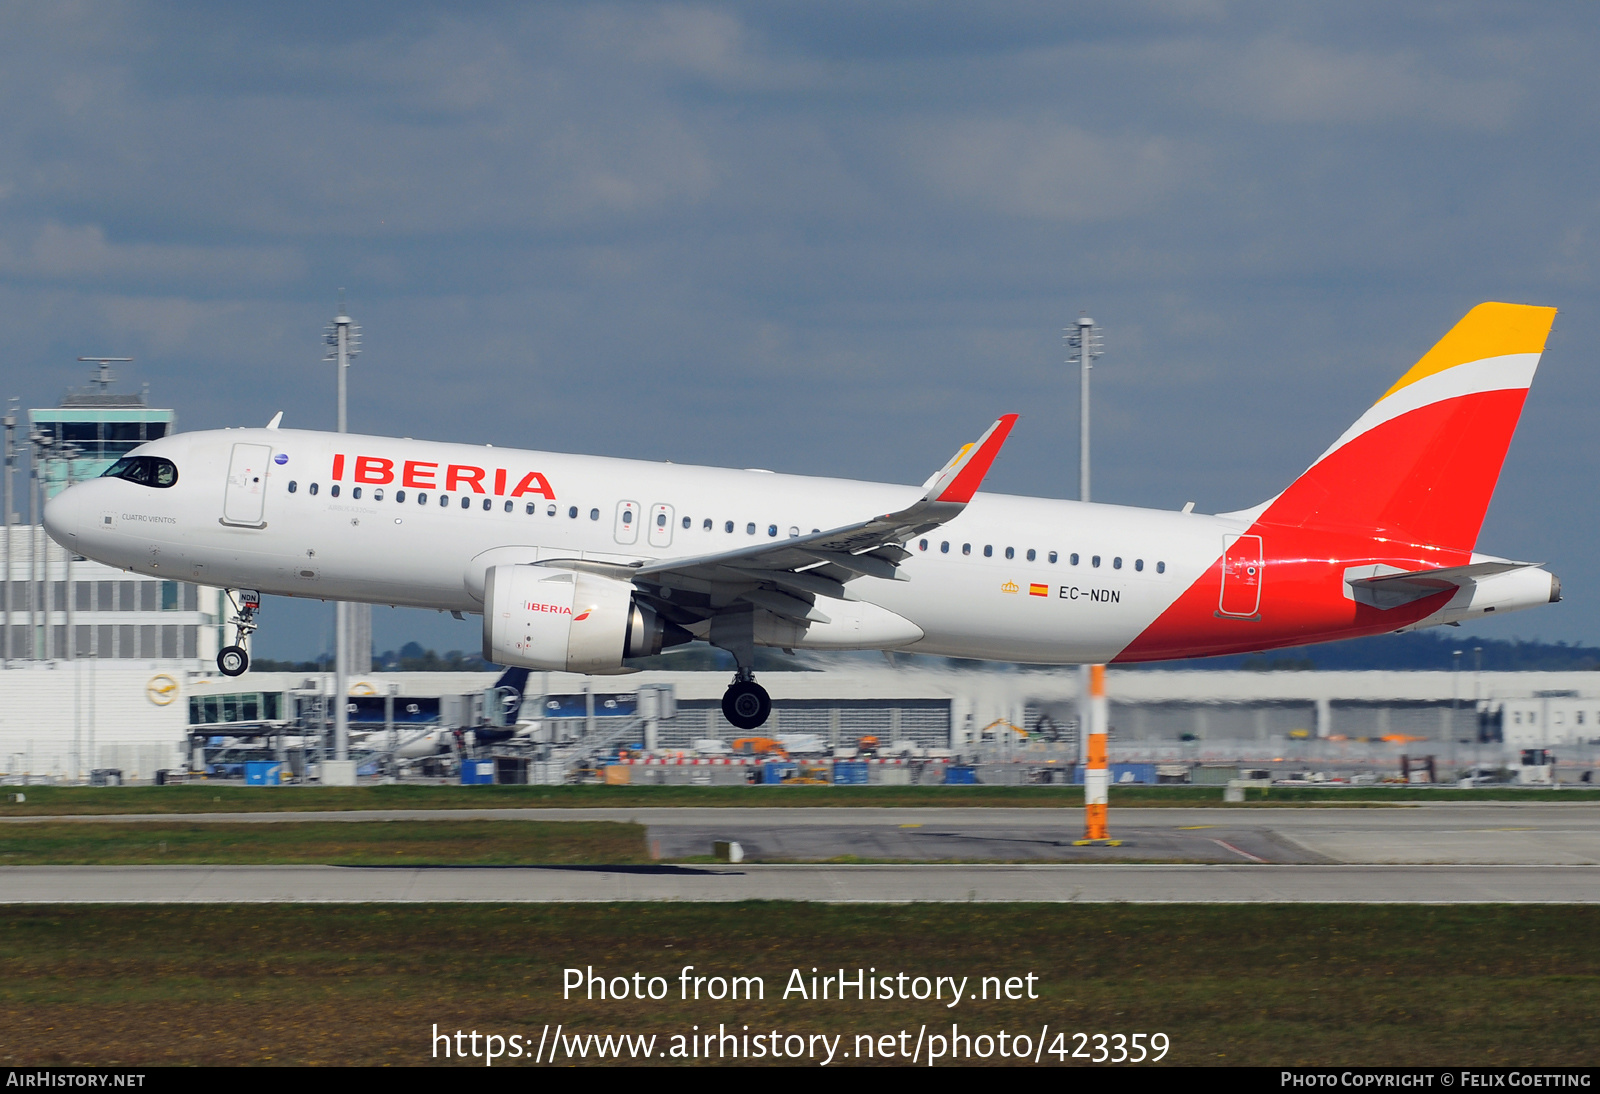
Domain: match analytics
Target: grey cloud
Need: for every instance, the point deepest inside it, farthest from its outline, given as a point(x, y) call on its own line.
point(1043, 168)
point(1282, 80)
point(82, 254)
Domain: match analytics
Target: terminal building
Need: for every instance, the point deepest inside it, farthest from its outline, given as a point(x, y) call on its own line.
point(63, 718)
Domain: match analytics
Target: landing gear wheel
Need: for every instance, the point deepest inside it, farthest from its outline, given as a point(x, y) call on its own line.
point(746, 704)
point(232, 660)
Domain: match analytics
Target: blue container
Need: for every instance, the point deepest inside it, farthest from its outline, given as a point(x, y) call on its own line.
point(264, 772)
point(960, 775)
point(477, 772)
point(773, 774)
point(850, 774)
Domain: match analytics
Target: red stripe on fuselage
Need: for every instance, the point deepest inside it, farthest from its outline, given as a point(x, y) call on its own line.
point(1410, 493)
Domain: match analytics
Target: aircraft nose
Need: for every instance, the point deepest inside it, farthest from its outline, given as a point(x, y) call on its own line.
point(63, 517)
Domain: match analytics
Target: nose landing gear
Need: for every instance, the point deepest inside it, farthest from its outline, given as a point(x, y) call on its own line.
point(746, 703)
point(234, 660)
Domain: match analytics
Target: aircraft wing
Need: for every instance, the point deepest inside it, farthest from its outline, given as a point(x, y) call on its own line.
point(786, 576)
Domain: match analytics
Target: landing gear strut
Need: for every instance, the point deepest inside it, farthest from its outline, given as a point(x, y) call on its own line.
point(233, 660)
point(746, 703)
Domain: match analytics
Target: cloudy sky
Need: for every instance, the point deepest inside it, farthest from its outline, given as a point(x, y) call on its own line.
point(817, 237)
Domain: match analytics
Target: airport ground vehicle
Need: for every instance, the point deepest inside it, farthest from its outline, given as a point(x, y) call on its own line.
point(582, 562)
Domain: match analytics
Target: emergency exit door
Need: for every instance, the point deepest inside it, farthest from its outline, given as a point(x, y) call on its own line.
point(627, 527)
point(1241, 576)
point(660, 525)
point(244, 499)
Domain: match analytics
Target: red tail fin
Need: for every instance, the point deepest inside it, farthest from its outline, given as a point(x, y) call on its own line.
point(1422, 464)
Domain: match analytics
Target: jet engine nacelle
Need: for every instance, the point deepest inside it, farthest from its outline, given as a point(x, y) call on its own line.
point(561, 620)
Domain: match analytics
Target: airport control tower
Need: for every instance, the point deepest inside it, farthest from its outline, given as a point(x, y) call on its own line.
point(92, 429)
point(56, 607)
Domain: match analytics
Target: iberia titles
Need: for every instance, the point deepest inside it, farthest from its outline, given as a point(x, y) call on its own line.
point(450, 477)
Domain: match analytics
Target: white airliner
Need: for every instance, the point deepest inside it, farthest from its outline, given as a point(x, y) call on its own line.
point(579, 563)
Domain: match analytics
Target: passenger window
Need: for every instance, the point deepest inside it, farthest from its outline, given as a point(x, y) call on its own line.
point(944, 548)
point(377, 495)
point(399, 496)
point(661, 520)
point(1138, 565)
point(594, 514)
point(1054, 556)
point(422, 498)
point(1073, 558)
point(686, 522)
point(772, 530)
point(627, 516)
point(1161, 567)
point(1010, 553)
point(488, 503)
point(793, 531)
point(510, 505)
point(549, 511)
point(1094, 560)
point(1032, 554)
point(922, 545)
point(988, 550)
point(728, 527)
point(750, 529)
point(966, 548)
point(356, 493)
point(573, 512)
point(444, 500)
point(293, 486)
point(313, 489)
point(333, 491)
point(706, 526)
point(532, 508)
point(1116, 563)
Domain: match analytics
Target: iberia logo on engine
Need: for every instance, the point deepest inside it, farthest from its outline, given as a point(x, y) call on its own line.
point(555, 609)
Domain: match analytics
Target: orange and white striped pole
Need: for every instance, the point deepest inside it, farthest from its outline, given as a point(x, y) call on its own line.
point(1095, 777)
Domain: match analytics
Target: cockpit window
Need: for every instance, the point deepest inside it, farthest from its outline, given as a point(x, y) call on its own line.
point(144, 470)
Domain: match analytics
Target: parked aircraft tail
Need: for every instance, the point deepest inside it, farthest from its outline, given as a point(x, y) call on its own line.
point(1421, 465)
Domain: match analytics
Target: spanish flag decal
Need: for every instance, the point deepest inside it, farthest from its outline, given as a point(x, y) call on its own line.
point(1038, 590)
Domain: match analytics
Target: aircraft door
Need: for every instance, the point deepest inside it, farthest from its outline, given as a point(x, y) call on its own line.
point(660, 525)
point(1241, 577)
point(627, 530)
point(244, 499)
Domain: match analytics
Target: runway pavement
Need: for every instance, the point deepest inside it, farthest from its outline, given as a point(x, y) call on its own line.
point(1464, 833)
point(1087, 883)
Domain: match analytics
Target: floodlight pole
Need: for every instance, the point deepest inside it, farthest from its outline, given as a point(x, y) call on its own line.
point(1084, 337)
point(10, 423)
point(343, 339)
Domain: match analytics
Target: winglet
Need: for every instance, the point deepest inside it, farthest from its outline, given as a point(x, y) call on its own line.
point(276, 418)
point(964, 473)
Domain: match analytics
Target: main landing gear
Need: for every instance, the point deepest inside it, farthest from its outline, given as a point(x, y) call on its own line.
point(233, 660)
point(746, 703)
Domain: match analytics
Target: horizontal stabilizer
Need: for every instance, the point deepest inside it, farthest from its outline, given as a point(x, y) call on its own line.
point(1399, 587)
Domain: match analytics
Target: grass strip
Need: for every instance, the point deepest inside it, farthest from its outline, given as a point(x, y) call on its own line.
point(1463, 985)
point(339, 843)
point(224, 798)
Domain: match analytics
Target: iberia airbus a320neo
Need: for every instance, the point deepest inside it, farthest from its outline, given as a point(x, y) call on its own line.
point(579, 563)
